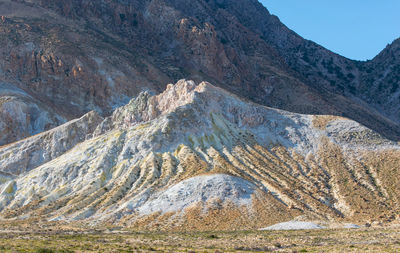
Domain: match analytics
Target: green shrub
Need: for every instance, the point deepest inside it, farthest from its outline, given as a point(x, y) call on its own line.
point(44, 250)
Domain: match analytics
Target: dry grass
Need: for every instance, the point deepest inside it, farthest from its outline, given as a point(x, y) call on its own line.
point(361, 240)
point(321, 121)
point(264, 212)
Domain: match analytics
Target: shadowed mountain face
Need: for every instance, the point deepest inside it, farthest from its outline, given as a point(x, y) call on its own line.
point(76, 56)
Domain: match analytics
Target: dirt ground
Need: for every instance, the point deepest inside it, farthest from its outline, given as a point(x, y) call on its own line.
point(117, 240)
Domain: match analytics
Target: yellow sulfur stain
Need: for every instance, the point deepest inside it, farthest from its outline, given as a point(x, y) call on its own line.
point(103, 177)
point(10, 188)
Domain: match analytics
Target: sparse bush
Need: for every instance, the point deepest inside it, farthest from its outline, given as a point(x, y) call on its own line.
point(223, 41)
point(350, 76)
point(212, 236)
point(44, 250)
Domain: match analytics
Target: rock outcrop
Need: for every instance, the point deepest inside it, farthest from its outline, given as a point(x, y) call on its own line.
point(22, 116)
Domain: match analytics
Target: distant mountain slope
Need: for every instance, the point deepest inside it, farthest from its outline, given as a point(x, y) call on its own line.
point(77, 56)
point(197, 157)
point(380, 85)
point(373, 85)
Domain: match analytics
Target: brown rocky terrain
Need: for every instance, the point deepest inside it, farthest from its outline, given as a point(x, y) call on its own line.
point(75, 56)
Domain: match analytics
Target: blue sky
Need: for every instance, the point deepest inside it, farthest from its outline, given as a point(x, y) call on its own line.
point(357, 29)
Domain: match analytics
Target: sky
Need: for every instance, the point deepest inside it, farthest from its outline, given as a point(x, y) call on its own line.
point(356, 29)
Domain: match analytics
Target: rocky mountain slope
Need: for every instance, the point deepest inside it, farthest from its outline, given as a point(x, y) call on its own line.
point(71, 57)
point(381, 81)
point(27, 154)
point(197, 157)
point(22, 116)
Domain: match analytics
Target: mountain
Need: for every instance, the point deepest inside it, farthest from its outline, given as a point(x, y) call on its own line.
point(66, 58)
point(287, 130)
point(196, 157)
point(381, 80)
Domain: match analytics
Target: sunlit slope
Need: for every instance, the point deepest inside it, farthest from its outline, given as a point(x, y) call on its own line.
point(198, 157)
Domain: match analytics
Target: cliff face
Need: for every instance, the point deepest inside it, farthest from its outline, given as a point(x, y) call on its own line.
point(76, 56)
point(64, 68)
point(22, 116)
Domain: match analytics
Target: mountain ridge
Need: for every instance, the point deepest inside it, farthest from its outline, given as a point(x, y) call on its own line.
point(236, 45)
point(192, 137)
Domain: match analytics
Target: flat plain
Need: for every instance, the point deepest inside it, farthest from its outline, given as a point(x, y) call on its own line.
point(124, 240)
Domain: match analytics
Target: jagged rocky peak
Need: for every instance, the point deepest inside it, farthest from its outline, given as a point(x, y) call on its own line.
point(150, 107)
point(145, 107)
point(198, 157)
point(185, 101)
